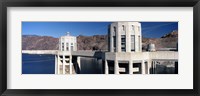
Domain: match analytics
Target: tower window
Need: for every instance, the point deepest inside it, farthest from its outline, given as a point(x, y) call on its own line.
point(114, 43)
point(133, 27)
point(123, 27)
point(123, 43)
point(62, 46)
point(123, 38)
point(72, 48)
point(114, 28)
point(67, 46)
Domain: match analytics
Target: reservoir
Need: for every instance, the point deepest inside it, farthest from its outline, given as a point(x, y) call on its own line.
point(45, 64)
point(38, 64)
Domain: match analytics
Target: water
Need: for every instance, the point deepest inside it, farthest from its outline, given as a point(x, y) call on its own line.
point(38, 64)
point(45, 64)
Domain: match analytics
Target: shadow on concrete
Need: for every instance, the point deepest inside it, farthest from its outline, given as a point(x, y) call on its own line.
point(75, 63)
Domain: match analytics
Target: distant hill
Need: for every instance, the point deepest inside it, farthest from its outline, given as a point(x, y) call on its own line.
point(33, 42)
point(167, 41)
point(96, 42)
point(173, 34)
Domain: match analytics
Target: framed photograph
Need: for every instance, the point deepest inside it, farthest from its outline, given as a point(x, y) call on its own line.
point(121, 47)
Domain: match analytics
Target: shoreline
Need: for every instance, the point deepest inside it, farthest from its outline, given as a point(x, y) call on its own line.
point(53, 52)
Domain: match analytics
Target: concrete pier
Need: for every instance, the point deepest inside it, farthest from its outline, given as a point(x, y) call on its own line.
point(130, 67)
point(116, 67)
point(106, 67)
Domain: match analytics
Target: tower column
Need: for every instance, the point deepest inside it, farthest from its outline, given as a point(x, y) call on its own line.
point(116, 67)
point(118, 39)
point(63, 64)
point(143, 67)
point(70, 64)
point(130, 67)
point(79, 63)
point(128, 39)
point(111, 42)
point(147, 71)
point(56, 65)
point(106, 67)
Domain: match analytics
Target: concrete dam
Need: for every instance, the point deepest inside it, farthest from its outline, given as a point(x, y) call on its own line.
point(91, 62)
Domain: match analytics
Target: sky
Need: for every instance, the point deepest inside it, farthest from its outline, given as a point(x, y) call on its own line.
point(57, 29)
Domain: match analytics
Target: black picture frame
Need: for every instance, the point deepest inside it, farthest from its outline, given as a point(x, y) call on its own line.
point(98, 3)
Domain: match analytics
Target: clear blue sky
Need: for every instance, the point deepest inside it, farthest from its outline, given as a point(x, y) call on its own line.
point(57, 29)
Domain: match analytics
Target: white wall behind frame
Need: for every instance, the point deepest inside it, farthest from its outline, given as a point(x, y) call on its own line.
point(184, 15)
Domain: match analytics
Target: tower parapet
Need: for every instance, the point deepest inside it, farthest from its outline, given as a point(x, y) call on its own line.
point(151, 47)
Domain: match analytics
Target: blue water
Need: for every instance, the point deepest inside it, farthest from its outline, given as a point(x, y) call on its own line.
point(38, 64)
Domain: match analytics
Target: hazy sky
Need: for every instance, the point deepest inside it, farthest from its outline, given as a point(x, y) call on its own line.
point(57, 29)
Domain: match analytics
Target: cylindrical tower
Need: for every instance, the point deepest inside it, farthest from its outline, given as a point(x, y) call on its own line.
point(125, 37)
point(151, 47)
point(64, 58)
point(67, 43)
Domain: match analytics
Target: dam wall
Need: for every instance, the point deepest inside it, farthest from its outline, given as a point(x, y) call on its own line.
point(90, 66)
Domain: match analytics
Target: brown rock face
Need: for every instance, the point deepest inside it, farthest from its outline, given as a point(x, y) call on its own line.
point(30, 42)
point(173, 34)
point(167, 41)
point(96, 42)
